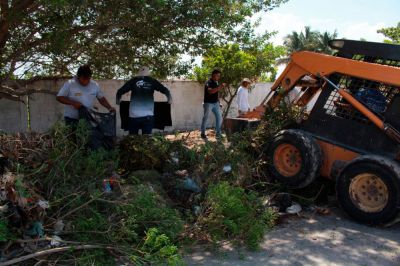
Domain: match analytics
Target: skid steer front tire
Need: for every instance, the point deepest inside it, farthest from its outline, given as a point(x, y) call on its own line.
point(294, 158)
point(368, 189)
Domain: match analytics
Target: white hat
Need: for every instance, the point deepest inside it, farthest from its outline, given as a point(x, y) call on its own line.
point(143, 71)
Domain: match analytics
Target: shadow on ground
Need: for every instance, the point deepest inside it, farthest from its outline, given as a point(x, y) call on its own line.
point(313, 240)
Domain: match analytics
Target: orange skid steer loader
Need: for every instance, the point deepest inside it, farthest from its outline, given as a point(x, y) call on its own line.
point(351, 132)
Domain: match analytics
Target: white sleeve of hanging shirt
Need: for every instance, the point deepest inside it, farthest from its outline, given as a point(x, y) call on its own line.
point(238, 97)
point(247, 100)
point(242, 100)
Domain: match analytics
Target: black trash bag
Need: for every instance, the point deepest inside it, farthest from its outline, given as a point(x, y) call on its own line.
point(103, 128)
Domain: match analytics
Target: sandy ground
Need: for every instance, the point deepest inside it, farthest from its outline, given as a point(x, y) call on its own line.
point(313, 240)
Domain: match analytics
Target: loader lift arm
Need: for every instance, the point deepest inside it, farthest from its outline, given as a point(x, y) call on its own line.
point(320, 66)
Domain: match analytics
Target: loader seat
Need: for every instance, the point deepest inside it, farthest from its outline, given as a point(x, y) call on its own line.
point(392, 115)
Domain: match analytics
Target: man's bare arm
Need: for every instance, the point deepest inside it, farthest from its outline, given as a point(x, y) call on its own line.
point(103, 101)
point(212, 91)
point(67, 101)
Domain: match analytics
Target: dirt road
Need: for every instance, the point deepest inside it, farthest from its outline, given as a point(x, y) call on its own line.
point(314, 240)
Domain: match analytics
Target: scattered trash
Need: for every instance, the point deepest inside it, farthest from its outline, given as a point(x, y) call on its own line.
point(110, 183)
point(55, 241)
point(43, 204)
point(294, 209)
point(227, 168)
point(174, 157)
point(182, 173)
point(36, 230)
point(107, 186)
point(190, 185)
point(280, 201)
point(4, 208)
point(196, 210)
point(58, 227)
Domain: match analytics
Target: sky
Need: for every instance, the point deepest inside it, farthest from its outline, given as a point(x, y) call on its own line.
point(353, 19)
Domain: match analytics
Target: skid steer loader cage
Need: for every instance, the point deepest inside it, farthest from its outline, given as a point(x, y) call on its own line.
point(334, 120)
point(352, 132)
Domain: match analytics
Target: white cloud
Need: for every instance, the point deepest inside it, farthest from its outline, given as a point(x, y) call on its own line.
point(285, 23)
point(363, 30)
point(282, 23)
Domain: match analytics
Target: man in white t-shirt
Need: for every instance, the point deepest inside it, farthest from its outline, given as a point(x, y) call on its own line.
point(243, 97)
point(80, 91)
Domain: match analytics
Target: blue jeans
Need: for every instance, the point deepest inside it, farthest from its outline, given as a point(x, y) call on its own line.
point(144, 123)
point(214, 107)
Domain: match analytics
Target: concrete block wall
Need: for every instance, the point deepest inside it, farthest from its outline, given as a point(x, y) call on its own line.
point(13, 116)
point(187, 109)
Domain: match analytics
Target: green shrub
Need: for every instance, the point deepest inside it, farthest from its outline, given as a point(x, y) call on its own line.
point(235, 214)
point(91, 220)
point(160, 250)
point(150, 209)
point(143, 152)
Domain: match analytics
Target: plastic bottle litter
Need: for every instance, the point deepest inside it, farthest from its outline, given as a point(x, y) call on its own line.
point(227, 168)
point(107, 186)
point(55, 241)
point(114, 180)
point(110, 183)
point(190, 185)
point(294, 209)
point(44, 204)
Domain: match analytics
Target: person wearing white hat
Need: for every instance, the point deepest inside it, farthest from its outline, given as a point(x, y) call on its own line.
point(141, 108)
point(243, 97)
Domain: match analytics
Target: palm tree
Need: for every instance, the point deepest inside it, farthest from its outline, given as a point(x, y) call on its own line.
point(309, 40)
point(324, 39)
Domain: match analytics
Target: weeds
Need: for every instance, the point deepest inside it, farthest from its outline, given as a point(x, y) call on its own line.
point(232, 213)
point(138, 219)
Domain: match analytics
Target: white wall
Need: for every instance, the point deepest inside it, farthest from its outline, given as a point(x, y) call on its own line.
point(186, 111)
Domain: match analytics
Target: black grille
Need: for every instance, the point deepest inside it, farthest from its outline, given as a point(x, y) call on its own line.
point(337, 106)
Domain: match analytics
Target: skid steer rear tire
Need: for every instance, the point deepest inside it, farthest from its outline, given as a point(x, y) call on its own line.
point(294, 158)
point(368, 189)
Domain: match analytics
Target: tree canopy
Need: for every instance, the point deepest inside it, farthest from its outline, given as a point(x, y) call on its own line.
point(53, 37)
point(309, 40)
point(236, 62)
point(392, 33)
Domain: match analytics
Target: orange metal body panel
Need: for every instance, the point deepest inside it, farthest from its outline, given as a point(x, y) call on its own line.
point(331, 154)
point(305, 63)
point(310, 63)
point(316, 64)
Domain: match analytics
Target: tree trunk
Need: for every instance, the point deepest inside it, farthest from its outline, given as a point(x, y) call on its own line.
point(228, 101)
